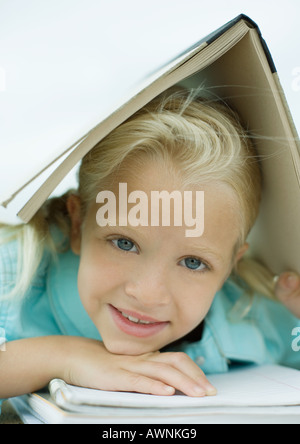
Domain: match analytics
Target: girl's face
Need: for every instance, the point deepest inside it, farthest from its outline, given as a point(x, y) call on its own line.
point(144, 287)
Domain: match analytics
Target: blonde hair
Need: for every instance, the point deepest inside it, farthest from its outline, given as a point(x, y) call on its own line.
point(201, 139)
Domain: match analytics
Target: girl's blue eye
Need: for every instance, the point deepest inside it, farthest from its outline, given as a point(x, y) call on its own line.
point(193, 263)
point(124, 244)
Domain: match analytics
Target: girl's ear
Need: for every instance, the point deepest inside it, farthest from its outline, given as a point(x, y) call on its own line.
point(243, 249)
point(74, 210)
point(238, 256)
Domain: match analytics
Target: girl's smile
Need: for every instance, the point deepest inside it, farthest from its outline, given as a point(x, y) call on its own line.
point(135, 324)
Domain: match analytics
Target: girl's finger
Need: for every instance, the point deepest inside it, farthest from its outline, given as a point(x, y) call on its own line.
point(168, 374)
point(287, 291)
point(135, 382)
point(183, 363)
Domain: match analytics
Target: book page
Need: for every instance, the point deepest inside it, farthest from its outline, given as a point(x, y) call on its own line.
point(245, 387)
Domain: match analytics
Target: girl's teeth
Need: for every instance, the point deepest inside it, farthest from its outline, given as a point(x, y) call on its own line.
point(132, 319)
point(136, 320)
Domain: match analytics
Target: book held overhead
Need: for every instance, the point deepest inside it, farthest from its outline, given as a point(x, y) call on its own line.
point(232, 64)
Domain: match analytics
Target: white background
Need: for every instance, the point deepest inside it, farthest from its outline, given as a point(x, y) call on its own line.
point(60, 58)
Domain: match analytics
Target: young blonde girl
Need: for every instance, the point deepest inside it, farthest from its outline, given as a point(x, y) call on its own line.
point(97, 305)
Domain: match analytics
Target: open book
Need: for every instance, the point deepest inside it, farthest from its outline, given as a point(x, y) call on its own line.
point(247, 394)
point(233, 64)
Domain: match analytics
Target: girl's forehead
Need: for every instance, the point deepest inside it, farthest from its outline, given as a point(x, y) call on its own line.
point(150, 175)
point(155, 179)
point(208, 213)
point(154, 196)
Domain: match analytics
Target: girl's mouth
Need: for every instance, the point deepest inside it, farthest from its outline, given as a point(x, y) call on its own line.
point(135, 324)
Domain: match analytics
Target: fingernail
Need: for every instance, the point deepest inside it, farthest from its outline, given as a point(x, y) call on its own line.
point(169, 390)
point(198, 391)
point(291, 281)
point(211, 390)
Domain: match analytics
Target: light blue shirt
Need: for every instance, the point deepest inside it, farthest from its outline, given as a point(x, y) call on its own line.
point(52, 306)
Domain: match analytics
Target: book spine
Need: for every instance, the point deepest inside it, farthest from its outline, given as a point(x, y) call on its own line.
point(212, 37)
point(254, 25)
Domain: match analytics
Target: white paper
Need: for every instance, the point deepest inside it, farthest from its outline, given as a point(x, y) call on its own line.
point(246, 387)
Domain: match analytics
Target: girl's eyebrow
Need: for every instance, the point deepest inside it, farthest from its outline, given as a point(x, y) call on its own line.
point(202, 249)
point(207, 251)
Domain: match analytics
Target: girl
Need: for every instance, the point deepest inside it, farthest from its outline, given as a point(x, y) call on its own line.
point(106, 304)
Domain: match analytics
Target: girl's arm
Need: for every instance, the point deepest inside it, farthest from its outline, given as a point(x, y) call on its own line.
point(29, 364)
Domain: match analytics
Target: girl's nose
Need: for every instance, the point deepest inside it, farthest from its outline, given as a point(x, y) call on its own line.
point(149, 286)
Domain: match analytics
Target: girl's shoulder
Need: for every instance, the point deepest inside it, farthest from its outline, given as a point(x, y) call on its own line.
point(8, 278)
point(21, 305)
point(8, 265)
point(10, 255)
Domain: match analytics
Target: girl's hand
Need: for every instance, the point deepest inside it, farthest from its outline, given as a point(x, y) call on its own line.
point(91, 365)
point(287, 291)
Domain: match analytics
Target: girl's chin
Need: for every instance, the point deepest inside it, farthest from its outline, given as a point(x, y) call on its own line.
point(129, 348)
